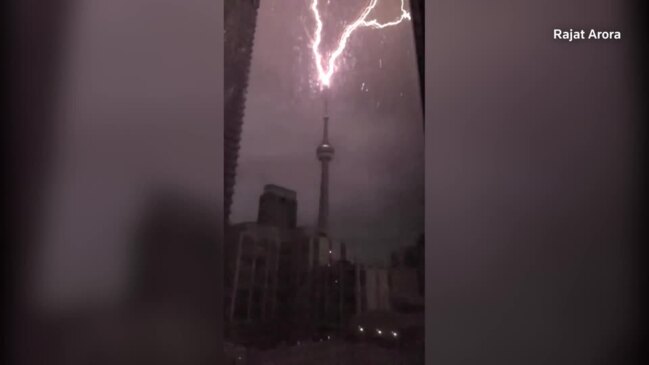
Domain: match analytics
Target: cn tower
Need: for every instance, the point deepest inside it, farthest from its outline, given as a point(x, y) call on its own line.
point(325, 153)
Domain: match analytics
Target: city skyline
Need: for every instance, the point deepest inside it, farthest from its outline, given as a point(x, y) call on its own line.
point(376, 178)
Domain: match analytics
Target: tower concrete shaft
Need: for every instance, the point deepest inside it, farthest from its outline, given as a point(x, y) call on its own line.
point(325, 154)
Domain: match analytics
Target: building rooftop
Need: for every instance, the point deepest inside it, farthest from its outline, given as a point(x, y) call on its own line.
point(281, 191)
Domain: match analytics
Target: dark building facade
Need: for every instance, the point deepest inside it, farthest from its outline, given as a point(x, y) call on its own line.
point(267, 279)
point(253, 266)
point(240, 25)
point(285, 283)
point(418, 12)
point(335, 294)
point(278, 207)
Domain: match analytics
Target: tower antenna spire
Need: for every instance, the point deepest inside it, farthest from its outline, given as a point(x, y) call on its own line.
point(325, 97)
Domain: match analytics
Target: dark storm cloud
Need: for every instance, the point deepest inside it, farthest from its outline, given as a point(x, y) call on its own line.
point(376, 128)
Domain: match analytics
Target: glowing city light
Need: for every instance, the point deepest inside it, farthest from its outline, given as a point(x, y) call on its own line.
point(325, 73)
point(361, 329)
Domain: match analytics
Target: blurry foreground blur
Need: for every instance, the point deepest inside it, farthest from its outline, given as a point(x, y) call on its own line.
point(116, 180)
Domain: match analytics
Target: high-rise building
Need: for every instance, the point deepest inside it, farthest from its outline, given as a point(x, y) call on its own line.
point(240, 24)
point(267, 272)
point(278, 207)
point(375, 289)
point(252, 275)
point(417, 10)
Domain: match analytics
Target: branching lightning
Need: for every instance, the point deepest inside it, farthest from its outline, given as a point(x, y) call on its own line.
point(325, 73)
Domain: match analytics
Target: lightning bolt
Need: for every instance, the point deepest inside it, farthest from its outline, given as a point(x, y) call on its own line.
point(325, 73)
